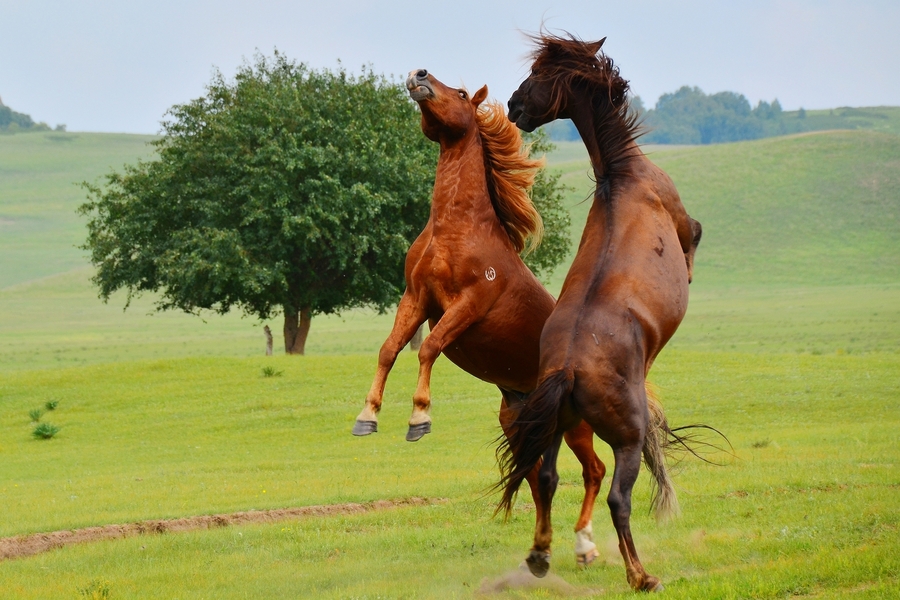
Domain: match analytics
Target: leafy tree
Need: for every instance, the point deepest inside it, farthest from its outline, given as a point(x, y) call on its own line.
point(288, 190)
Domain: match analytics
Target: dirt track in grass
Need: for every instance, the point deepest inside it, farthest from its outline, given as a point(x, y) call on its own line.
point(21, 546)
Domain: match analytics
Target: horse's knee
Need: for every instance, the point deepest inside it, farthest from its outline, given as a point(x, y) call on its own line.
point(429, 351)
point(696, 233)
point(388, 354)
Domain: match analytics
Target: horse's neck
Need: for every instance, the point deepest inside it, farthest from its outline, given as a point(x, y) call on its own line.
point(585, 121)
point(460, 186)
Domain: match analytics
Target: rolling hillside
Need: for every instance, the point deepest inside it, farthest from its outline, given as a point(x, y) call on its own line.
point(39, 173)
point(818, 209)
point(799, 254)
point(814, 209)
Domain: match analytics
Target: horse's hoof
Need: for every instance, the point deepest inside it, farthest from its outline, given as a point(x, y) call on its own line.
point(584, 560)
point(416, 432)
point(365, 427)
point(538, 563)
point(652, 584)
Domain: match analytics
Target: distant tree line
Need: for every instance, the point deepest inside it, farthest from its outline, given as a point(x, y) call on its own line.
point(12, 121)
point(689, 116)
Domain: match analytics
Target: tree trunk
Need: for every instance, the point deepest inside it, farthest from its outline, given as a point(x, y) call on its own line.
point(416, 342)
point(296, 328)
point(268, 334)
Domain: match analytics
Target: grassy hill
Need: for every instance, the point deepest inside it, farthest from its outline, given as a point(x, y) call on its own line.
point(814, 209)
point(818, 209)
point(39, 176)
point(799, 253)
point(885, 119)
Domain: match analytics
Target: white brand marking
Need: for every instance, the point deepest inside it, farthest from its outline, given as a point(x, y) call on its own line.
point(490, 274)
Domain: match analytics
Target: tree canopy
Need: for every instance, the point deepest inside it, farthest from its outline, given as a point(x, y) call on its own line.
point(688, 116)
point(547, 194)
point(287, 190)
point(12, 121)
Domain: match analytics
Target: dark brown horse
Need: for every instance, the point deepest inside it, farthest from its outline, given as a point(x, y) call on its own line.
point(623, 298)
point(465, 277)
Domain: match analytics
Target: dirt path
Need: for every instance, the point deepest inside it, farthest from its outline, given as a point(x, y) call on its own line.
point(28, 545)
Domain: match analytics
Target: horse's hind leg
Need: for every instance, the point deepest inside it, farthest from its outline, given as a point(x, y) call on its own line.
point(538, 559)
point(628, 464)
point(507, 417)
point(581, 441)
point(406, 323)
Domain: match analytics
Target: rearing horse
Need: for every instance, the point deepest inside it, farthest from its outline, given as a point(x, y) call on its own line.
point(623, 298)
point(464, 275)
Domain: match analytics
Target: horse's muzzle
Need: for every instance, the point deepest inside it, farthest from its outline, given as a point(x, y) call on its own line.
point(419, 86)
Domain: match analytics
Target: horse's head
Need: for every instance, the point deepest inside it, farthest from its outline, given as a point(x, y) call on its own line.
point(446, 112)
point(558, 65)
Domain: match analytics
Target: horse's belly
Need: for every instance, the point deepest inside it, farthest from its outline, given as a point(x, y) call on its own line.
point(503, 347)
point(495, 363)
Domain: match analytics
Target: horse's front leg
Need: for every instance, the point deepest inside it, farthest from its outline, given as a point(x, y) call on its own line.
point(409, 317)
point(453, 323)
point(697, 233)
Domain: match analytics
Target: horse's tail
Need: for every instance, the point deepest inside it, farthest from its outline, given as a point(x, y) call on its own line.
point(664, 500)
point(531, 434)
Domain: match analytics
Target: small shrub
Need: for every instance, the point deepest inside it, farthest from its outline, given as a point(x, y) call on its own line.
point(51, 404)
point(97, 589)
point(271, 372)
point(45, 431)
point(35, 414)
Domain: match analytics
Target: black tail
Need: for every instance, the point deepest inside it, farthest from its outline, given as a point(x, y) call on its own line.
point(531, 435)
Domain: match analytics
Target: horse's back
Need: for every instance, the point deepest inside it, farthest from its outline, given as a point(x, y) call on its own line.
point(626, 292)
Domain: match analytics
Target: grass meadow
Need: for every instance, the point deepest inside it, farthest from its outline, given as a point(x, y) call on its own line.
point(790, 347)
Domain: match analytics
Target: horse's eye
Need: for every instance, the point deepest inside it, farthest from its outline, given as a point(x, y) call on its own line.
point(462, 94)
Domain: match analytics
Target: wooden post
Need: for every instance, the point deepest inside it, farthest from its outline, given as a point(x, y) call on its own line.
point(268, 333)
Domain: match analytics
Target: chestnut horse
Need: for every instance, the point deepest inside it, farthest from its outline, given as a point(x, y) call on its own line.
point(623, 298)
point(464, 275)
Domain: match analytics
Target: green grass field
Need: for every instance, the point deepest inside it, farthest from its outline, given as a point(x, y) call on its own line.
point(790, 347)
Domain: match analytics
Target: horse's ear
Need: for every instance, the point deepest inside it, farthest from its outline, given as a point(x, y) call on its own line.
point(479, 96)
point(595, 46)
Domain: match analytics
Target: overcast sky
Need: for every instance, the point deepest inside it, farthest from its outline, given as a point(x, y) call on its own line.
point(103, 65)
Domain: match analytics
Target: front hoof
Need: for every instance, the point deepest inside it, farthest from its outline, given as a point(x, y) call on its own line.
point(538, 563)
point(416, 432)
point(365, 427)
point(584, 560)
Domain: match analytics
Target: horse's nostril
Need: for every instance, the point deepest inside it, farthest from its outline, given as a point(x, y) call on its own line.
point(421, 74)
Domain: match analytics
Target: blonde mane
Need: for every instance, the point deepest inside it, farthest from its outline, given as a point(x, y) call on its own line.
point(510, 176)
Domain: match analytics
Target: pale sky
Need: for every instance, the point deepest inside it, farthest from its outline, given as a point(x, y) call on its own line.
point(117, 66)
